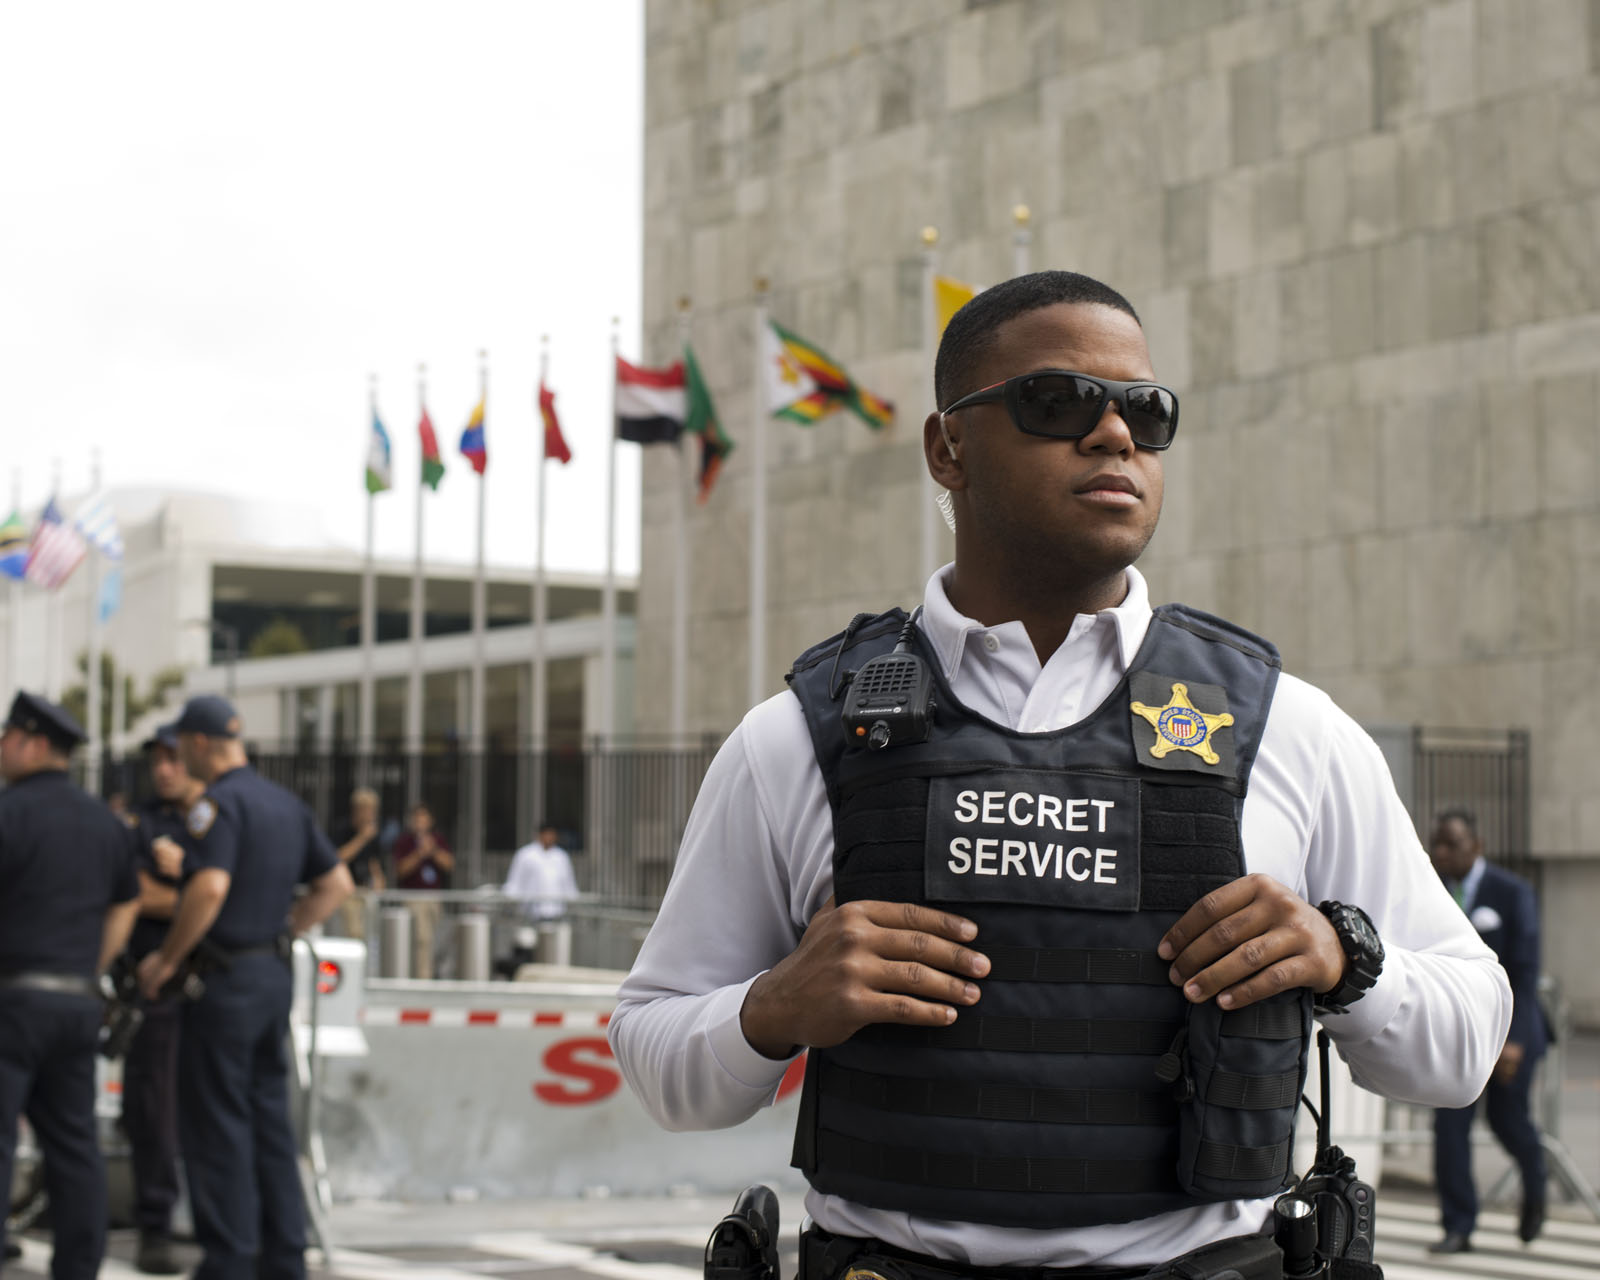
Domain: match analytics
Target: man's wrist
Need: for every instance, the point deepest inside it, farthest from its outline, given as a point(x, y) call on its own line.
point(757, 1034)
point(1363, 952)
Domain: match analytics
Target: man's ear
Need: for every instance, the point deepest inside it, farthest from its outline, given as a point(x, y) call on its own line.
point(943, 453)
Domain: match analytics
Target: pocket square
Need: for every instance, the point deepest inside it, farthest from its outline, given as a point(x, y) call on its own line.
point(1485, 919)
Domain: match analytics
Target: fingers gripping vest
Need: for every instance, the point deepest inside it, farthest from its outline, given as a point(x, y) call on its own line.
point(1082, 1088)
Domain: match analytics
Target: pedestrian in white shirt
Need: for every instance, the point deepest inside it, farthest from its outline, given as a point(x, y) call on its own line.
point(541, 875)
point(1055, 959)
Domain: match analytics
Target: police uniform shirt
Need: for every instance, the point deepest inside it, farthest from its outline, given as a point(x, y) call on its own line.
point(156, 818)
point(64, 860)
point(265, 838)
point(1321, 816)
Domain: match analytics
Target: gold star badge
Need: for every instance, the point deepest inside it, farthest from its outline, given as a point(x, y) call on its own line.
point(1182, 726)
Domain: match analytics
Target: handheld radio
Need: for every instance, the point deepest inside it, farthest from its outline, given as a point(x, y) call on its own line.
point(889, 701)
point(1330, 1213)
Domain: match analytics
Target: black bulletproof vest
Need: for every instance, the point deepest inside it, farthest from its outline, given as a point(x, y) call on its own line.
point(1081, 1088)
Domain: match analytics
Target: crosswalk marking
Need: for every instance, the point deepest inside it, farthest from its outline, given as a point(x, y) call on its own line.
point(1567, 1250)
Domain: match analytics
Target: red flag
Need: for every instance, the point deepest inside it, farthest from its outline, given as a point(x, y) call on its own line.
point(555, 444)
point(432, 463)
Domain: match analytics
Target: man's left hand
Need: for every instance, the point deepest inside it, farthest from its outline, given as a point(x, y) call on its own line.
point(1251, 939)
point(155, 971)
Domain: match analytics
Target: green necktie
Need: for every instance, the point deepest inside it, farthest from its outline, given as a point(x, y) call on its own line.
point(1458, 891)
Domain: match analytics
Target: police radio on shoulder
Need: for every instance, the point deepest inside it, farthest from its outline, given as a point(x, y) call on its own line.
point(1363, 952)
point(890, 699)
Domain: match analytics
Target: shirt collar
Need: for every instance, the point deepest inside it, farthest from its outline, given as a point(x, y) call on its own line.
point(1471, 881)
point(947, 629)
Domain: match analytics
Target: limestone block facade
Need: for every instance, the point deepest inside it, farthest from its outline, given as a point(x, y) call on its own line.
point(1363, 236)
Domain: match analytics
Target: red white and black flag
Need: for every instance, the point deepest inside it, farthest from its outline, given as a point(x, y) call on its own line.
point(651, 403)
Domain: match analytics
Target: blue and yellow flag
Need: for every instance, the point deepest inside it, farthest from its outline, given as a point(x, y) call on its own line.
point(13, 546)
point(474, 446)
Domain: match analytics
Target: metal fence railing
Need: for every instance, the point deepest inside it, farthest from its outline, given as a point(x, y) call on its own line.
point(477, 936)
point(1486, 772)
point(620, 811)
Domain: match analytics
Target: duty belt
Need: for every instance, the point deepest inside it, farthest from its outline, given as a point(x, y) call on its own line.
point(825, 1256)
point(66, 984)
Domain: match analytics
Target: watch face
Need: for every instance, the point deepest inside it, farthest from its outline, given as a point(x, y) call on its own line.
point(1362, 933)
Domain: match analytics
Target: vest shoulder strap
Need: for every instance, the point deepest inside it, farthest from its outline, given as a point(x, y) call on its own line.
point(1219, 630)
point(817, 678)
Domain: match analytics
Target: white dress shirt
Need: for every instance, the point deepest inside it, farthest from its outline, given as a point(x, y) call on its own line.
point(543, 879)
point(1321, 816)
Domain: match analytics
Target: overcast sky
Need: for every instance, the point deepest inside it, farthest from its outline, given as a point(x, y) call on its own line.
point(216, 221)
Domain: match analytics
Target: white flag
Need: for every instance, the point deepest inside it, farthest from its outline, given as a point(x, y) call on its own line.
point(98, 523)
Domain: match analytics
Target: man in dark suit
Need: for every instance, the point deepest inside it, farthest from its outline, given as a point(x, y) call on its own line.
point(1502, 909)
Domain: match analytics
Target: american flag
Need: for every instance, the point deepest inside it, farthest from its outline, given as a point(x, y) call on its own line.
point(55, 550)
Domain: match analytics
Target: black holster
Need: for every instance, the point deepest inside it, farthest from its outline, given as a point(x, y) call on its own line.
point(744, 1245)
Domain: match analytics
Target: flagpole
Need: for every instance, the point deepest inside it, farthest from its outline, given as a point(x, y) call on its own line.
point(53, 658)
point(680, 532)
point(608, 659)
point(119, 708)
point(1021, 241)
point(538, 723)
point(930, 337)
point(758, 505)
point(368, 612)
point(480, 613)
point(414, 721)
point(96, 646)
point(13, 659)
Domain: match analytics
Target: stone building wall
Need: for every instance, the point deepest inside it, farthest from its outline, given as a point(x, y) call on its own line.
point(1363, 235)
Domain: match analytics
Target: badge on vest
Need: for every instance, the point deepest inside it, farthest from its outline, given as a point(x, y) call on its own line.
point(1181, 724)
point(1040, 837)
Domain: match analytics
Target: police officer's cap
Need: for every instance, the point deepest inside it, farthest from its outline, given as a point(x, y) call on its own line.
point(166, 735)
point(208, 714)
point(33, 714)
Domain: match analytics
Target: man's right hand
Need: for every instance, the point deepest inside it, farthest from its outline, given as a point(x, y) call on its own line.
point(861, 963)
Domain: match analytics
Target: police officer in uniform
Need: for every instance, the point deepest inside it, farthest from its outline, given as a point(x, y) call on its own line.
point(1055, 952)
point(67, 905)
point(150, 1070)
point(253, 845)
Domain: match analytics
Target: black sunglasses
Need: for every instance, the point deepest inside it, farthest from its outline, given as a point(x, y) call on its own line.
point(1067, 406)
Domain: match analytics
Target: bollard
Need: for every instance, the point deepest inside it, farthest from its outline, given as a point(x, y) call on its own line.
point(395, 943)
point(555, 942)
point(472, 947)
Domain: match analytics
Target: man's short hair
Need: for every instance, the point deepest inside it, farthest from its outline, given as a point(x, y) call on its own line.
point(1460, 814)
point(972, 330)
point(363, 793)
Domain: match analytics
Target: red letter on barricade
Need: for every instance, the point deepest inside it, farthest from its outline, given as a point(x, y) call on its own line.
point(598, 1082)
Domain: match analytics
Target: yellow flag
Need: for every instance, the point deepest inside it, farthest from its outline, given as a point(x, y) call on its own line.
point(949, 296)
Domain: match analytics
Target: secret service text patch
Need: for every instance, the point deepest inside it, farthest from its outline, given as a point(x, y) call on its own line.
point(1034, 836)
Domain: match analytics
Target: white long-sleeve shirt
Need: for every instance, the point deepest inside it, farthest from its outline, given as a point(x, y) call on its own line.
point(1321, 816)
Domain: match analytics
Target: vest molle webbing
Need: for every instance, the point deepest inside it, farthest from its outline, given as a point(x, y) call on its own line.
point(1082, 1088)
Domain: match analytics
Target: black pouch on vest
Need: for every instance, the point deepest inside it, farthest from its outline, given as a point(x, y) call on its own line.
point(1241, 1258)
point(1238, 1079)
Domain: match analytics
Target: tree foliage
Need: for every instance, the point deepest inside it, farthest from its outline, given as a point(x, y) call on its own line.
point(280, 636)
point(76, 698)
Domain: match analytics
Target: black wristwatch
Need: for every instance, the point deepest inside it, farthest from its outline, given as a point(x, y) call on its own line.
point(1362, 949)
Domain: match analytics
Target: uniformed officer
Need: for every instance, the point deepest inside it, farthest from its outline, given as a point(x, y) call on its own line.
point(68, 906)
point(150, 1070)
point(253, 844)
